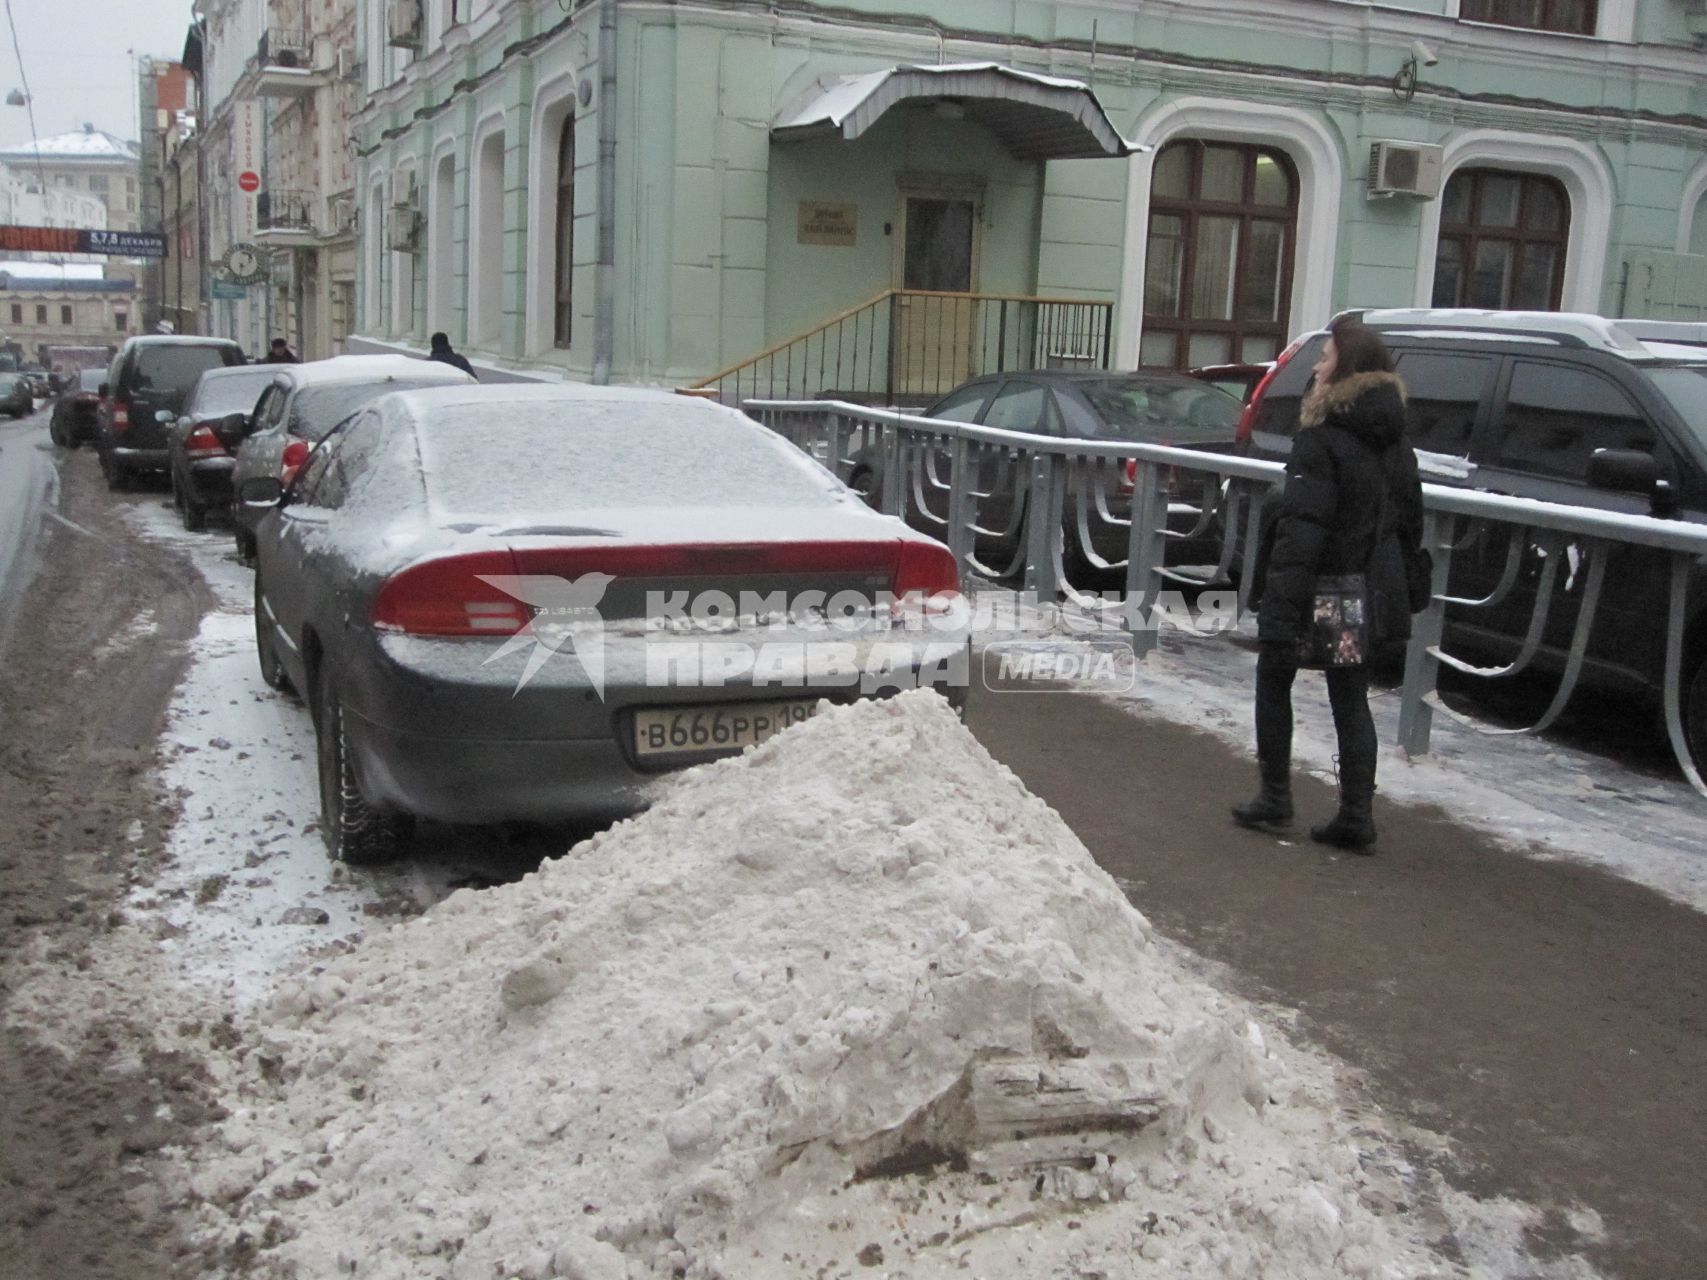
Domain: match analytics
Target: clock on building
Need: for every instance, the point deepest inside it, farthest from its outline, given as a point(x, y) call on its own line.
point(243, 264)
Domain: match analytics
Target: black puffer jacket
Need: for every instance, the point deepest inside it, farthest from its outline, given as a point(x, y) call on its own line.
point(1349, 469)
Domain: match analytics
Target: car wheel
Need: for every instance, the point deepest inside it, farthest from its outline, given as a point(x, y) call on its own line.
point(1694, 708)
point(354, 830)
point(118, 478)
point(863, 481)
point(193, 514)
point(266, 649)
point(245, 545)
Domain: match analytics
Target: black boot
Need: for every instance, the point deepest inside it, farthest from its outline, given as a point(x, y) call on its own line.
point(1353, 827)
point(1272, 808)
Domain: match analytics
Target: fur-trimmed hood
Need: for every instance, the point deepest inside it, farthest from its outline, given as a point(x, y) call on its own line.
point(1369, 405)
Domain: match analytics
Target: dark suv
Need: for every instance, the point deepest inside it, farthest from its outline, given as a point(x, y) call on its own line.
point(147, 384)
point(1564, 408)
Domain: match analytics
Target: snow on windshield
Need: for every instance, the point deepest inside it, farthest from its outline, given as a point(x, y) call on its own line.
point(566, 456)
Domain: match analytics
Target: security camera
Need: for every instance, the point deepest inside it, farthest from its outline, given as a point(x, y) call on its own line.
point(1423, 54)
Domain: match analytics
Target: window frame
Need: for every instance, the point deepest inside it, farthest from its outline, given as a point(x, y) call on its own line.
point(563, 238)
point(1191, 209)
point(1467, 12)
point(1471, 234)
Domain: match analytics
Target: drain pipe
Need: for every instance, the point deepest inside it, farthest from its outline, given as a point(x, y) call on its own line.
point(604, 280)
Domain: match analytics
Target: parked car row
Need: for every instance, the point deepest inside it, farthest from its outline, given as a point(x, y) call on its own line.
point(461, 581)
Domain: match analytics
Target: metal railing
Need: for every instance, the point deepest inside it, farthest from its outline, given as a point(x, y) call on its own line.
point(931, 471)
point(277, 210)
point(910, 346)
point(282, 47)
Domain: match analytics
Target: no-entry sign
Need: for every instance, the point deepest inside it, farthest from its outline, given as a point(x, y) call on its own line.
point(249, 180)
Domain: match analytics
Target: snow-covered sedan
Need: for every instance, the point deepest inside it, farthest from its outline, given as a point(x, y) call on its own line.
point(526, 602)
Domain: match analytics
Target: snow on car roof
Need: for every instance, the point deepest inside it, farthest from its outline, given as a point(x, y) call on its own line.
point(371, 369)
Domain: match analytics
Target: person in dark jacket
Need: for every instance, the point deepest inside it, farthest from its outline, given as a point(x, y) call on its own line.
point(1352, 503)
point(280, 353)
point(444, 355)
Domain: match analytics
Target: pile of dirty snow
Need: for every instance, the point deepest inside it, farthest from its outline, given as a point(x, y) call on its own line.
point(794, 1020)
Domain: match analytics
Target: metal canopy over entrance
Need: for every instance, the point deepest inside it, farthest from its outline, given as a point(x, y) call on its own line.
point(1036, 117)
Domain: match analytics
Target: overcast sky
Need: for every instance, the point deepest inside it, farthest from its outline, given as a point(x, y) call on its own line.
point(80, 57)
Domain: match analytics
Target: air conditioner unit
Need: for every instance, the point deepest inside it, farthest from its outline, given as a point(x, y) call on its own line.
point(402, 228)
point(1404, 169)
point(403, 23)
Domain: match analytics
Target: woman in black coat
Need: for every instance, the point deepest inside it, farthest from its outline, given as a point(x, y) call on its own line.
point(1352, 503)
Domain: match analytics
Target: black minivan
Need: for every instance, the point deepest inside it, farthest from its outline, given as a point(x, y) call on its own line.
point(1573, 409)
point(147, 384)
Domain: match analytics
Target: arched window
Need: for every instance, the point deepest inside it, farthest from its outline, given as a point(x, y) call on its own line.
point(1218, 269)
point(564, 239)
point(1502, 241)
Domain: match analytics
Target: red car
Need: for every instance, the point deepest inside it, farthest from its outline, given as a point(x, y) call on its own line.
point(76, 414)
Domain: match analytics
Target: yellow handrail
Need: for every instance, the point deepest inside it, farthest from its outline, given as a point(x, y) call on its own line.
point(872, 302)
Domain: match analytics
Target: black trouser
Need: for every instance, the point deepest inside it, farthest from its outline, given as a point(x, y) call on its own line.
point(1348, 694)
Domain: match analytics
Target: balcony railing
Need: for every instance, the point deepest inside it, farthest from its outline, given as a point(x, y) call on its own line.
point(282, 47)
point(285, 210)
point(910, 346)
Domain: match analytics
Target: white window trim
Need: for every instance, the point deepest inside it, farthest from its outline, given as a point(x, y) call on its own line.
point(373, 269)
point(481, 334)
point(554, 100)
point(1587, 180)
point(402, 309)
point(1321, 182)
point(1613, 20)
point(1693, 192)
point(441, 241)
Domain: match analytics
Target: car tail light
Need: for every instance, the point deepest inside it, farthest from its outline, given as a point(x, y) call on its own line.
point(926, 578)
point(1128, 483)
point(1172, 478)
point(1248, 419)
point(450, 597)
point(295, 454)
point(203, 442)
point(121, 416)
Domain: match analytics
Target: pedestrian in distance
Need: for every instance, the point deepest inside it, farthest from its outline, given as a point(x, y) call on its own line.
point(280, 353)
point(444, 355)
point(1351, 505)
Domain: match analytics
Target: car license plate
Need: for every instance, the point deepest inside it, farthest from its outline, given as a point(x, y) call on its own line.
point(672, 731)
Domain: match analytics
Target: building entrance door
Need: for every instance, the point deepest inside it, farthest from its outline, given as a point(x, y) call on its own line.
point(933, 335)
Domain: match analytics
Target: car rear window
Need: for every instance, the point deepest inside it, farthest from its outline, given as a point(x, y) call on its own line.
point(1138, 408)
point(316, 410)
point(234, 392)
point(173, 370)
point(91, 379)
point(525, 456)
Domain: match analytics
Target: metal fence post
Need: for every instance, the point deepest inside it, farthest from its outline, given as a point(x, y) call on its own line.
point(1144, 556)
point(1043, 525)
point(960, 482)
point(894, 452)
point(1422, 668)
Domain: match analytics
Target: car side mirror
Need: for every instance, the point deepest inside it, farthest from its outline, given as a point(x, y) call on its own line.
point(261, 492)
point(1624, 470)
point(165, 415)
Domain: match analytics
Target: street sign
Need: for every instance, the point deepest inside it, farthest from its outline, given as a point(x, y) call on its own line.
point(230, 289)
point(249, 180)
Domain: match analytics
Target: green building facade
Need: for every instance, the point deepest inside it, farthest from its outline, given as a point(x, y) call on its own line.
point(1228, 174)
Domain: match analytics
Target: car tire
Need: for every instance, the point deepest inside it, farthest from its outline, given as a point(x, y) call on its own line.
point(54, 433)
point(355, 831)
point(118, 478)
point(863, 481)
point(191, 512)
point(266, 649)
point(245, 545)
point(1694, 708)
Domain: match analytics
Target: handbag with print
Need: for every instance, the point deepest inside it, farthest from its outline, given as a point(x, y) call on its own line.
point(1336, 632)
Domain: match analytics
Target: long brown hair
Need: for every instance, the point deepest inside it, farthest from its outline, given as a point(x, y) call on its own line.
point(1358, 350)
